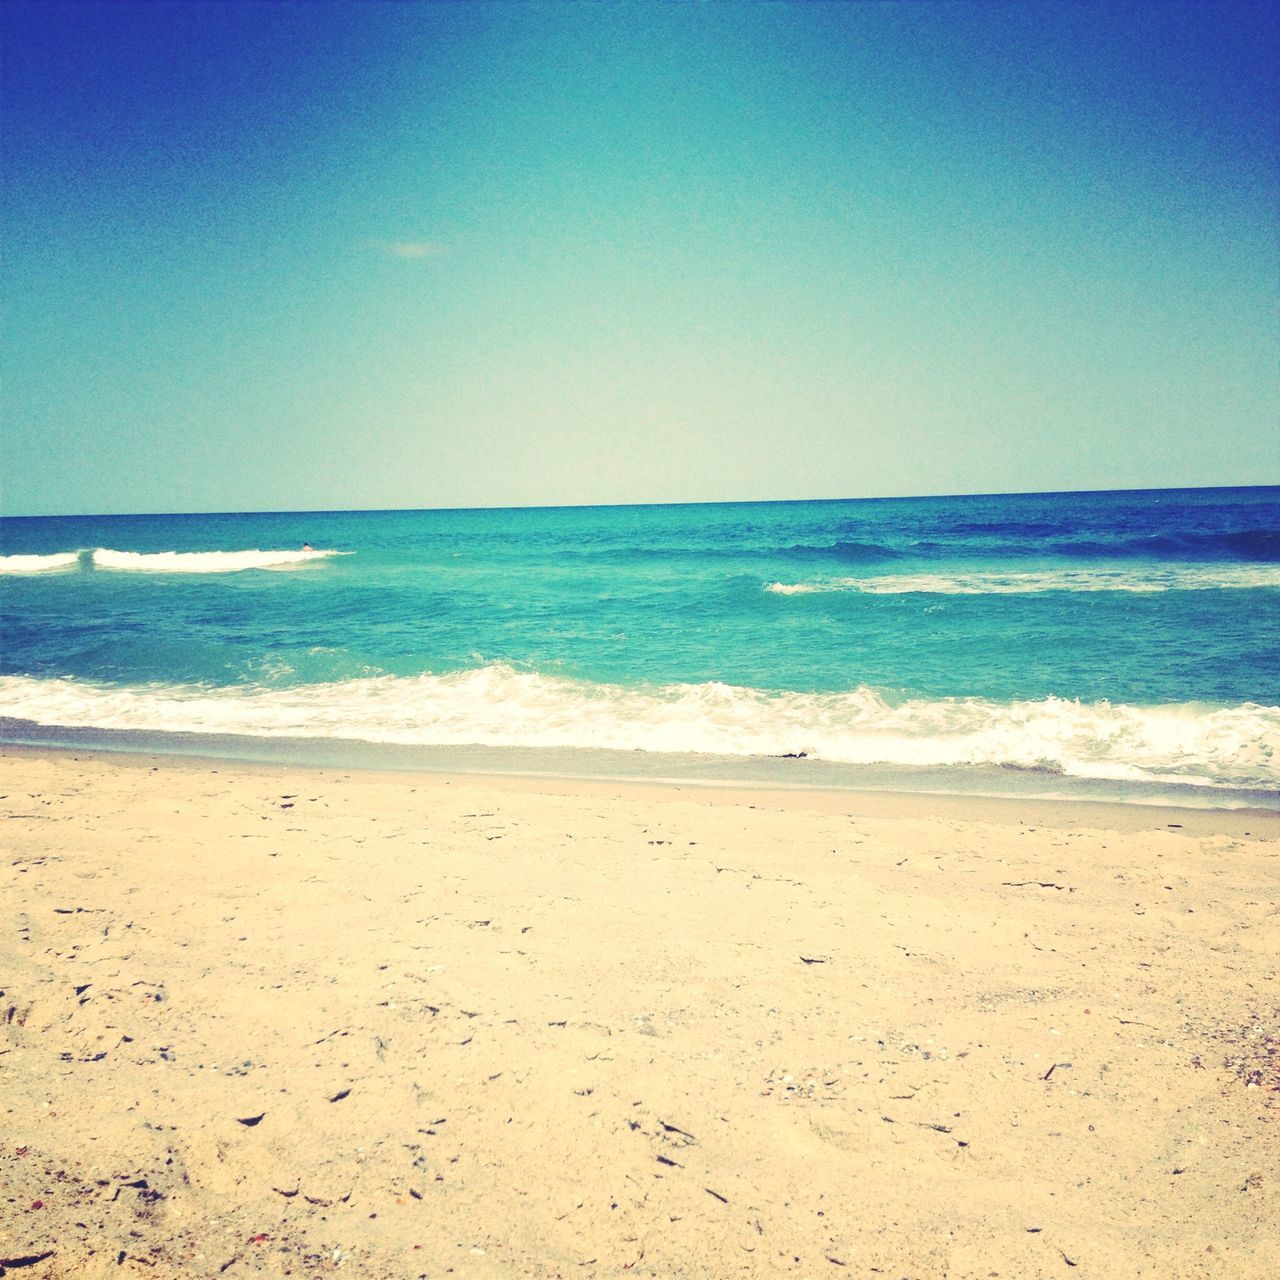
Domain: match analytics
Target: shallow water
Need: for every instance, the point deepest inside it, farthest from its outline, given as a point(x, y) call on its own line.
point(1133, 637)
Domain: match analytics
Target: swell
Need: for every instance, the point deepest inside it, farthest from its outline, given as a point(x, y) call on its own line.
point(1237, 746)
point(1246, 545)
point(1011, 541)
point(844, 552)
point(735, 549)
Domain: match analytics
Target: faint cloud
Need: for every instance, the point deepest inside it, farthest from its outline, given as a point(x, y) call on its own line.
point(407, 248)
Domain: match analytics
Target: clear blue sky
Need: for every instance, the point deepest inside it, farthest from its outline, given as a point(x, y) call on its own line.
point(362, 255)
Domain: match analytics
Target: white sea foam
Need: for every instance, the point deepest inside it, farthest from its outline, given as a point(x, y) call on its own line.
point(499, 706)
point(204, 561)
point(39, 564)
point(1183, 577)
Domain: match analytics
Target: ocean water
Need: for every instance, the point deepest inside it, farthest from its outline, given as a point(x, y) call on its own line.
point(1047, 642)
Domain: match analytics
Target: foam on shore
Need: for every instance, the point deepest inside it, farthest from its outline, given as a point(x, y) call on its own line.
point(1186, 743)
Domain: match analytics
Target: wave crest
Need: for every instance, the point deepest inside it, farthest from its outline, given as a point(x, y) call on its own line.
point(845, 552)
point(499, 706)
point(1238, 544)
point(204, 561)
point(1208, 577)
point(40, 564)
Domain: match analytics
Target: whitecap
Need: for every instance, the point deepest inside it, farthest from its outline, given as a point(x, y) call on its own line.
point(204, 561)
point(1186, 577)
point(498, 706)
point(40, 564)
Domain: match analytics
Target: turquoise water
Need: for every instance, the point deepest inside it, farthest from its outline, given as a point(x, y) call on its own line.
point(1116, 635)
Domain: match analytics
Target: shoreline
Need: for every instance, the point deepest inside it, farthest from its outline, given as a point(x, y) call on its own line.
point(290, 1021)
point(781, 773)
point(1241, 821)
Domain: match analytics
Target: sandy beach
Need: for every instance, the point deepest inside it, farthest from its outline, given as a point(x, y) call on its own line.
point(271, 1021)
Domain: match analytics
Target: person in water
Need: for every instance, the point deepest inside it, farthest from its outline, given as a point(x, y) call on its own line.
point(306, 546)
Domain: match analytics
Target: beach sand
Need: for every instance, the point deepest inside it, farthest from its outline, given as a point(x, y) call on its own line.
point(273, 1021)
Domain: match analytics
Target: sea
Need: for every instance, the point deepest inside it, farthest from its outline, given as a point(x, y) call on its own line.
point(1115, 645)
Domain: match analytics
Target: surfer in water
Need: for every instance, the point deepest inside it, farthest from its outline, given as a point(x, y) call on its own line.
point(306, 546)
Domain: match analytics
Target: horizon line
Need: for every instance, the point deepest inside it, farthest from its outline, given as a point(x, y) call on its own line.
point(589, 506)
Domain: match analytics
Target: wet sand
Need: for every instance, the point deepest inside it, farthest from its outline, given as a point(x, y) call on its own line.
point(279, 1021)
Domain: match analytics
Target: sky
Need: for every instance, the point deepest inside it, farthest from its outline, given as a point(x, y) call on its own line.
point(345, 256)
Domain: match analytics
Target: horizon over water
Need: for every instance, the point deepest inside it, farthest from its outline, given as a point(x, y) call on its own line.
point(1118, 644)
point(626, 506)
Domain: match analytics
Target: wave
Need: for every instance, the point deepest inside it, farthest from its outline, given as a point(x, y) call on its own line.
point(204, 561)
point(1022, 529)
point(1038, 537)
point(1257, 546)
point(1243, 544)
point(1210, 577)
point(496, 705)
point(731, 549)
point(40, 564)
point(1014, 541)
point(847, 552)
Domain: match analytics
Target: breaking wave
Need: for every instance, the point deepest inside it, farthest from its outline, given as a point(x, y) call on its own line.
point(40, 564)
point(204, 561)
point(1205, 577)
point(1236, 746)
